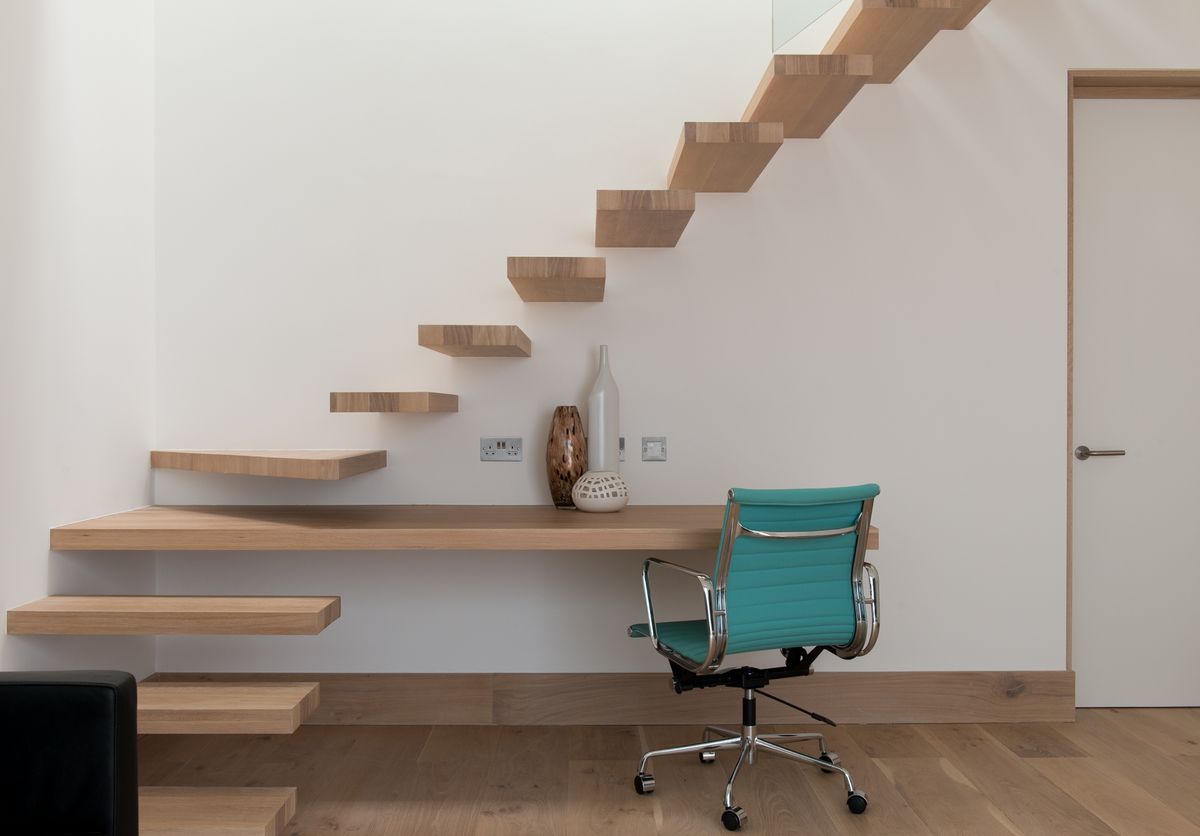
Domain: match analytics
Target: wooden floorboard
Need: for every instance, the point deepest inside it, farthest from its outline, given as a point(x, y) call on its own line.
point(1111, 771)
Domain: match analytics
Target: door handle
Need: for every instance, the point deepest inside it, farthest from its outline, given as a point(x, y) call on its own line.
point(1083, 453)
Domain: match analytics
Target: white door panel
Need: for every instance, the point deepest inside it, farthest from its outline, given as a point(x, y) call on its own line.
point(1137, 386)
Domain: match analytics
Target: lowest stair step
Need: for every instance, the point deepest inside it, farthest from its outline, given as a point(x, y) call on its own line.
point(128, 615)
point(328, 465)
point(808, 92)
point(475, 340)
point(219, 811)
point(892, 32)
point(642, 217)
point(723, 156)
point(225, 707)
point(557, 278)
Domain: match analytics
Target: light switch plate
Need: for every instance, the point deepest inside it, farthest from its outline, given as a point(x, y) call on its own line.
point(654, 448)
point(621, 449)
point(500, 449)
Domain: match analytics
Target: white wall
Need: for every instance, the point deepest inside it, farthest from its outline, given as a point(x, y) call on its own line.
point(76, 317)
point(887, 304)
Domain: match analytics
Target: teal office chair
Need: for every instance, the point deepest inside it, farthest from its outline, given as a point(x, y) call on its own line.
point(791, 576)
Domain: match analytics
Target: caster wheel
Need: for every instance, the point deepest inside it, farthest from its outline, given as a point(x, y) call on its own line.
point(830, 758)
point(733, 818)
point(643, 783)
point(857, 802)
point(708, 757)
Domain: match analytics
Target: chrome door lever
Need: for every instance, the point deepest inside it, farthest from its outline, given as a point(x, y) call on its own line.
point(1083, 453)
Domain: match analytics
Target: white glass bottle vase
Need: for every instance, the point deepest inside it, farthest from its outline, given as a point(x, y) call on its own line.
point(602, 488)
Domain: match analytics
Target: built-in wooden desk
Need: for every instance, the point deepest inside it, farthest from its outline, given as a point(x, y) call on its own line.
point(394, 527)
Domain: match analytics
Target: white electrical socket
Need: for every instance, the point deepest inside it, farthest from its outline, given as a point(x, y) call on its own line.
point(500, 449)
point(654, 448)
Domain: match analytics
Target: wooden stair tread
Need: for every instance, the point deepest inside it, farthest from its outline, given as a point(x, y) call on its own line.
point(557, 279)
point(329, 465)
point(475, 340)
point(225, 707)
point(395, 527)
point(723, 156)
point(808, 92)
point(392, 402)
point(642, 217)
point(219, 811)
point(127, 615)
point(892, 32)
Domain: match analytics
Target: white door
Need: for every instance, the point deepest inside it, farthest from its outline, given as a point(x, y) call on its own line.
point(1137, 387)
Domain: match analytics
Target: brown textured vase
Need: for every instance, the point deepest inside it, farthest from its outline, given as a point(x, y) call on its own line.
point(566, 454)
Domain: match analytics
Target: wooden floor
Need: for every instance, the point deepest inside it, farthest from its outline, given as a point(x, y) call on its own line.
point(1130, 771)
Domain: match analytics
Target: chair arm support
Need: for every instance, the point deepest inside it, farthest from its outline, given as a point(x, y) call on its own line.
point(713, 616)
point(871, 601)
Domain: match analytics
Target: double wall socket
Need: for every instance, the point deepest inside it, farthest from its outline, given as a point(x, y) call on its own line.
point(505, 449)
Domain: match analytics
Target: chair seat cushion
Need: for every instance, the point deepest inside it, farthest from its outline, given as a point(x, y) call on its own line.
point(687, 638)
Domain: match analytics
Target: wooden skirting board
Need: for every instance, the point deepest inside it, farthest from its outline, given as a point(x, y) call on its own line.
point(646, 698)
point(328, 465)
point(220, 811)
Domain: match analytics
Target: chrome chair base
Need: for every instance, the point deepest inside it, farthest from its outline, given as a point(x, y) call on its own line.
point(749, 744)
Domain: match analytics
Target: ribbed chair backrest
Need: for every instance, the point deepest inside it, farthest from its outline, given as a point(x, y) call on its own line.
point(792, 591)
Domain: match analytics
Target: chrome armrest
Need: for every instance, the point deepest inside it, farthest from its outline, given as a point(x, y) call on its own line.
point(870, 601)
point(714, 616)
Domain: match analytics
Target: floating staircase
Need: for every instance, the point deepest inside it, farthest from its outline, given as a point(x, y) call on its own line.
point(392, 402)
point(799, 96)
point(225, 707)
point(149, 615)
point(328, 465)
point(215, 811)
point(475, 340)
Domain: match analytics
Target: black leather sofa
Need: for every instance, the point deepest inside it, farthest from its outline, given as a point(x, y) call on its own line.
point(68, 753)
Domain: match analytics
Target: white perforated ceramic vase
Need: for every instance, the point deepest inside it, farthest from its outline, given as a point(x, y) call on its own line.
point(600, 491)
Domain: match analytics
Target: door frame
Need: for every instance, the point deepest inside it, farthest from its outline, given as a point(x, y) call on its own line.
point(1101, 84)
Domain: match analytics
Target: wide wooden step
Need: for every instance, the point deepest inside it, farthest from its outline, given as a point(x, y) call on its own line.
point(346, 528)
point(147, 615)
point(723, 156)
point(557, 279)
point(892, 32)
point(330, 465)
point(807, 92)
point(215, 811)
point(642, 218)
point(475, 340)
point(392, 402)
point(225, 707)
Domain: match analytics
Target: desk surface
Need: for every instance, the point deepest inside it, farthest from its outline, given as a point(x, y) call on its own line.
point(396, 527)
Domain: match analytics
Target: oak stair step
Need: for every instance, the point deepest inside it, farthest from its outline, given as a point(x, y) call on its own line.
point(392, 402)
point(475, 340)
point(808, 92)
point(328, 465)
point(225, 707)
point(723, 156)
point(642, 217)
point(892, 32)
point(148, 615)
point(215, 811)
point(557, 278)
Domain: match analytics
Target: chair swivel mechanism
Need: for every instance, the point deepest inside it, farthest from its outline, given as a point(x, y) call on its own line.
point(790, 575)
